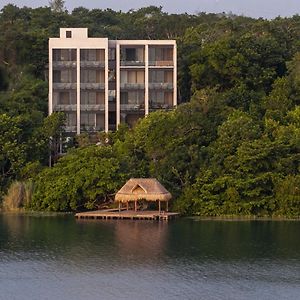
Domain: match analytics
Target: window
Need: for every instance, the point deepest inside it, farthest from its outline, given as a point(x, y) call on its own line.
point(133, 97)
point(156, 76)
point(87, 119)
point(68, 34)
point(92, 55)
point(157, 53)
point(130, 54)
point(133, 77)
point(64, 54)
point(64, 98)
point(88, 98)
point(124, 97)
point(64, 76)
point(136, 97)
point(71, 119)
point(56, 76)
point(156, 97)
point(56, 54)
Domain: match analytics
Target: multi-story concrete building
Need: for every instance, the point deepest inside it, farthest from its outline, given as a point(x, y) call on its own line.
point(100, 83)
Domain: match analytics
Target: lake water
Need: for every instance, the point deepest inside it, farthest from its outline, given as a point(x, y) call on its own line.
point(61, 258)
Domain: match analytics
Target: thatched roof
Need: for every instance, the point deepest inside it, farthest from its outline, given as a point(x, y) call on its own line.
point(148, 189)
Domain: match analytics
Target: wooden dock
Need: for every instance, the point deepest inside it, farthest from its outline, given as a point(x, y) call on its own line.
point(115, 214)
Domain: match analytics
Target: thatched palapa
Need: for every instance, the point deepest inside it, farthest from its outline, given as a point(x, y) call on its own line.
point(137, 191)
point(148, 189)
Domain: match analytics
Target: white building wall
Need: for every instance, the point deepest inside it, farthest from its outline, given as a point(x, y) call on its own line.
point(79, 40)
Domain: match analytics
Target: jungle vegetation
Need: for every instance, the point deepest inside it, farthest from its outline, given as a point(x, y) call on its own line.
point(230, 148)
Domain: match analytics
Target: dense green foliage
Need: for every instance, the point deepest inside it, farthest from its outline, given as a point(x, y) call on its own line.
point(230, 148)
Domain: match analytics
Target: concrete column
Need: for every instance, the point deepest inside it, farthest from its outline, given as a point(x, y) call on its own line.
point(50, 95)
point(106, 88)
point(118, 80)
point(146, 80)
point(78, 90)
point(175, 75)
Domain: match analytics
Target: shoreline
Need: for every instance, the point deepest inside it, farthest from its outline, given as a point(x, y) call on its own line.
point(241, 218)
point(228, 218)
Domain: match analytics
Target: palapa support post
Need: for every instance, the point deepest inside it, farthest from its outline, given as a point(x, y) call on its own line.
point(167, 208)
point(119, 206)
point(159, 206)
point(134, 205)
point(127, 205)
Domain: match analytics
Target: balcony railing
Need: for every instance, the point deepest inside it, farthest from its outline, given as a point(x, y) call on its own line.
point(112, 127)
point(91, 128)
point(160, 106)
point(92, 107)
point(92, 64)
point(161, 85)
point(65, 107)
point(63, 64)
point(161, 63)
point(64, 86)
point(135, 86)
point(70, 128)
point(132, 63)
point(132, 107)
point(92, 86)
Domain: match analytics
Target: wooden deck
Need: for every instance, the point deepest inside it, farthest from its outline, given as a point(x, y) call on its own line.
point(115, 214)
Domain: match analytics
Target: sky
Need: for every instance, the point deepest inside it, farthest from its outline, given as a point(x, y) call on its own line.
point(253, 8)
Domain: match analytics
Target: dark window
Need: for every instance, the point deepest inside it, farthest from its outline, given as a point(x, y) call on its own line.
point(56, 76)
point(68, 34)
point(130, 54)
point(112, 118)
point(124, 97)
point(56, 54)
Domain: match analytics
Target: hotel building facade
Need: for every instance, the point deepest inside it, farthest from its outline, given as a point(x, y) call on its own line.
point(101, 83)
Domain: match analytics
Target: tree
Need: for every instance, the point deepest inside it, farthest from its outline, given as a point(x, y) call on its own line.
point(57, 6)
point(85, 178)
point(12, 149)
point(52, 131)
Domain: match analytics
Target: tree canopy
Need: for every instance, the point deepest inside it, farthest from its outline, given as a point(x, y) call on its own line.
point(230, 148)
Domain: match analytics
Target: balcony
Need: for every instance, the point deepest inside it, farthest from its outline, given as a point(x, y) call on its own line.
point(63, 64)
point(132, 86)
point(161, 86)
point(91, 128)
point(112, 127)
point(92, 86)
point(70, 128)
point(155, 105)
point(64, 86)
point(161, 63)
point(92, 107)
point(92, 64)
point(132, 107)
point(65, 107)
point(134, 63)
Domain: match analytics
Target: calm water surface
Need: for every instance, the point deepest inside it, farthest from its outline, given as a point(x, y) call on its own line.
point(61, 258)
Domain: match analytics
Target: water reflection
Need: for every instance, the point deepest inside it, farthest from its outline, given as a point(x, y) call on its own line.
point(141, 239)
point(67, 259)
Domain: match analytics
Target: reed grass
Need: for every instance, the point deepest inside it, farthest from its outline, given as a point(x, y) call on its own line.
point(18, 196)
